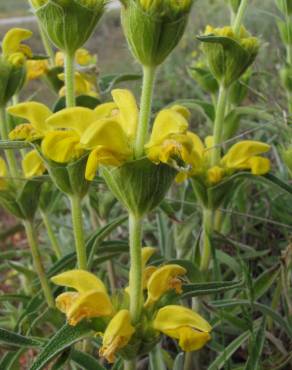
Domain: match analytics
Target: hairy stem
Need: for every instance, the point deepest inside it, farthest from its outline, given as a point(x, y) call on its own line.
point(38, 265)
point(219, 124)
point(78, 231)
point(70, 80)
point(145, 109)
point(135, 278)
point(207, 230)
point(52, 237)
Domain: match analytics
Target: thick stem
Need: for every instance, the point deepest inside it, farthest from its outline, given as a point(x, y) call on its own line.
point(38, 265)
point(206, 247)
point(145, 109)
point(219, 124)
point(156, 359)
point(53, 239)
point(135, 278)
point(10, 157)
point(78, 231)
point(130, 365)
point(70, 79)
point(239, 16)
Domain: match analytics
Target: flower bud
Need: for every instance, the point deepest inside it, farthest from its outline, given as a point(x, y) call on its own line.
point(68, 23)
point(154, 28)
point(228, 55)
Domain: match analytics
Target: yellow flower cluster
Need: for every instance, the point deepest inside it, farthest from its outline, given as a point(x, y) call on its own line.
point(90, 299)
point(108, 132)
point(249, 43)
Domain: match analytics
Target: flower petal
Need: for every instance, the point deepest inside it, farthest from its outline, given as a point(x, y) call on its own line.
point(168, 122)
point(65, 301)
point(127, 105)
point(32, 164)
point(35, 113)
point(259, 166)
point(12, 40)
point(90, 304)
point(242, 151)
point(101, 156)
point(77, 119)
point(147, 253)
point(80, 280)
point(162, 280)
point(189, 339)
point(61, 146)
point(3, 168)
point(173, 317)
point(106, 110)
point(107, 133)
point(117, 335)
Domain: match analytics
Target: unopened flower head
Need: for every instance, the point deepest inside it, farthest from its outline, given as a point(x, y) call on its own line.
point(68, 23)
point(228, 54)
point(153, 28)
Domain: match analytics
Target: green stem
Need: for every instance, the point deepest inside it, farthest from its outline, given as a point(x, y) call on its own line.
point(53, 239)
point(33, 242)
point(47, 45)
point(156, 359)
point(219, 124)
point(70, 79)
point(78, 231)
point(130, 365)
point(207, 231)
point(135, 278)
point(188, 362)
point(10, 157)
point(145, 109)
point(239, 16)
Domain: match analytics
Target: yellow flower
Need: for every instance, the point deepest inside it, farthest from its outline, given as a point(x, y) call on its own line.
point(90, 299)
point(3, 174)
point(12, 45)
point(162, 280)
point(215, 174)
point(83, 85)
point(36, 69)
point(36, 114)
point(82, 57)
point(83, 127)
point(181, 323)
point(32, 164)
point(117, 335)
point(245, 155)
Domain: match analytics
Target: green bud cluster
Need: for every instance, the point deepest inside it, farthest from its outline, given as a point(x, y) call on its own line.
point(68, 23)
point(153, 28)
point(228, 55)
